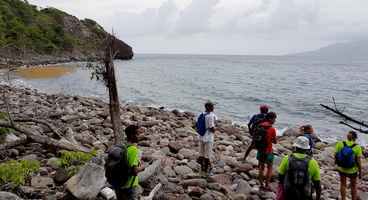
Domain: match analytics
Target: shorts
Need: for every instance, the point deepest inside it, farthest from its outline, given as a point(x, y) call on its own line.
point(354, 175)
point(205, 149)
point(265, 157)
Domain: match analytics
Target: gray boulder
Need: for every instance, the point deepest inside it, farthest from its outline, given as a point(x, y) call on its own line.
point(88, 182)
point(9, 196)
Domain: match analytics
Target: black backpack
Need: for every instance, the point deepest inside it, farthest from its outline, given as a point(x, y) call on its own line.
point(297, 183)
point(258, 119)
point(117, 170)
point(260, 137)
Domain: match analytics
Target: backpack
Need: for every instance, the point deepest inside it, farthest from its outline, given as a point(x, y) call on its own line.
point(297, 183)
point(259, 118)
point(117, 170)
point(260, 137)
point(345, 158)
point(201, 124)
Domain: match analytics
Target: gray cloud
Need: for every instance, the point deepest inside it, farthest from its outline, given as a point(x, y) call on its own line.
point(224, 26)
point(196, 17)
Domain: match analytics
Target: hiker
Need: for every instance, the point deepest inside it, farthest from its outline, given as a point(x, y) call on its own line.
point(123, 165)
point(348, 159)
point(299, 173)
point(308, 132)
point(205, 125)
point(255, 120)
point(265, 137)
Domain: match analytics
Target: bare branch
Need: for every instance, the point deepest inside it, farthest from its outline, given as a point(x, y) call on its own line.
point(54, 130)
point(346, 117)
point(357, 129)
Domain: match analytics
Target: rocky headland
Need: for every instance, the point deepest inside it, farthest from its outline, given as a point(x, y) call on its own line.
point(169, 136)
point(30, 35)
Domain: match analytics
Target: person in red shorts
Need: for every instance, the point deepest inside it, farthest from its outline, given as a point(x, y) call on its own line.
point(265, 152)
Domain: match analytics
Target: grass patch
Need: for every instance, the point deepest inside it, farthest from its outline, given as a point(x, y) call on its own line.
point(16, 172)
point(4, 116)
point(3, 131)
point(72, 161)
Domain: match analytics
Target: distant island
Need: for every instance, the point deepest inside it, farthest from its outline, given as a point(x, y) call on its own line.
point(30, 35)
point(356, 50)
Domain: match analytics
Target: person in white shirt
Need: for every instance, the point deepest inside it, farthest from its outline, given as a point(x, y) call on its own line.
point(207, 140)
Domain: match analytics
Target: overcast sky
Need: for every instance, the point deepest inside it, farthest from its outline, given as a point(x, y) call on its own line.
point(225, 26)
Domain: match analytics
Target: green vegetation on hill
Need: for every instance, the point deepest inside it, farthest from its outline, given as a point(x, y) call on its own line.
point(45, 31)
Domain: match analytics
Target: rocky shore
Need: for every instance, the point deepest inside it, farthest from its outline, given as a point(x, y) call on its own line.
point(169, 136)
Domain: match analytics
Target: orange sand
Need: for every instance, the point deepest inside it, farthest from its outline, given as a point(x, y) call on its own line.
point(44, 72)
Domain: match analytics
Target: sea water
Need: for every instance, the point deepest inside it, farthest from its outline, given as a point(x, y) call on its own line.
point(294, 87)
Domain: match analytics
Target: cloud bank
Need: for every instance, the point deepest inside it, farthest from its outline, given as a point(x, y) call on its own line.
point(225, 26)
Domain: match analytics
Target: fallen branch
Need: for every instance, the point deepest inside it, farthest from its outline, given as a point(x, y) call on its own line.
point(153, 192)
point(61, 144)
point(57, 134)
point(346, 117)
point(357, 129)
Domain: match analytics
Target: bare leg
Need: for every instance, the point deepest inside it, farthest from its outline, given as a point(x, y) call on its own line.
point(249, 149)
point(354, 190)
point(343, 187)
point(261, 168)
point(269, 175)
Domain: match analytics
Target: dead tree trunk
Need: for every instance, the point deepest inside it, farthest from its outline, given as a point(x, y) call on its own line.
point(348, 118)
point(113, 91)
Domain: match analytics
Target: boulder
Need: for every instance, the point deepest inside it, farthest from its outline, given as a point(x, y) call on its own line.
point(61, 176)
point(88, 182)
point(195, 191)
point(42, 182)
point(9, 196)
point(175, 147)
point(188, 153)
point(53, 163)
point(240, 197)
point(108, 193)
point(243, 168)
point(182, 170)
point(293, 131)
point(222, 179)
point(243, 187)
point(169, 172)
point(194, 182)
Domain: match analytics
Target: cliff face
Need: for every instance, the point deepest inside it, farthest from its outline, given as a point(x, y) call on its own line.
point(30, 35)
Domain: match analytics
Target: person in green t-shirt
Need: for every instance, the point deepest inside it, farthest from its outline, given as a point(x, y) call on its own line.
point(130, 190)
point(298, 172)
point(355, 170)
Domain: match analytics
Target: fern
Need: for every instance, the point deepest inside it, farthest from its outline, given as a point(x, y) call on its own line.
point(16, 172)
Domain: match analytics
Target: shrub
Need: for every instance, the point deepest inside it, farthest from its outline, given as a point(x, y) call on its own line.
point(72, 161)
point(16, 172)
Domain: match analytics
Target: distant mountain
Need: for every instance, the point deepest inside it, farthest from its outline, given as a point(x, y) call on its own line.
point(356, 50)
point(37, 35)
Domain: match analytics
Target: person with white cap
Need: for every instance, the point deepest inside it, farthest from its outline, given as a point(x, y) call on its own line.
point(299, 172)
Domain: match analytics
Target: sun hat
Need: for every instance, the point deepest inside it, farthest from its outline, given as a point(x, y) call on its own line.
point(302, 142)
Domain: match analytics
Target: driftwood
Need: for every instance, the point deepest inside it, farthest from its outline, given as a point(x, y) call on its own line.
point(54, 130)
point(153, 192)
point(61, 144)
point(347, 118)
point(355, 128)
point(110, 79)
